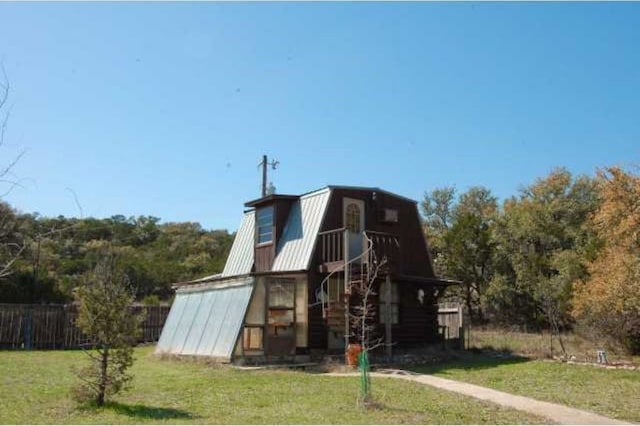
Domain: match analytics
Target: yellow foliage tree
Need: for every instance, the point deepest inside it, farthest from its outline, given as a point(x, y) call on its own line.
point(610, 298)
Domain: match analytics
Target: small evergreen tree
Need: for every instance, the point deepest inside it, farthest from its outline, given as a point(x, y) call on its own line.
point(105, 317)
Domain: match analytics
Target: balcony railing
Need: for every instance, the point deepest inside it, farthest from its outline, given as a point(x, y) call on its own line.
point(332, 246)
point(385, 245)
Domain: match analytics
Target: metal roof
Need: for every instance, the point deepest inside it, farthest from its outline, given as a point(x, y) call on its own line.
point(198, 281)
point(206, 322)
point(298, 239)
point(240, 260)
point(373, 189)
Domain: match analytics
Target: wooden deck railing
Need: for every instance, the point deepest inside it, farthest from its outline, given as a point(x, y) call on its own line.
point(332, 245)
point(385, 245)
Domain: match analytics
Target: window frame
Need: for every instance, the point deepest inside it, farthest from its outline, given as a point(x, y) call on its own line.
point(353, 215)
point(262, 226)
point(275, 311)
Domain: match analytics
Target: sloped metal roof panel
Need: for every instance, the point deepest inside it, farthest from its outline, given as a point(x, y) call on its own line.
point(171, 325)
point(198, 323)
point(220, 306)
point(191, 305)
point(206, 321)
point(298, 239)
point(240, 260)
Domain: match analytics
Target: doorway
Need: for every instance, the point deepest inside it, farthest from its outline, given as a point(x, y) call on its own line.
point(353, 220)
point(281, 332)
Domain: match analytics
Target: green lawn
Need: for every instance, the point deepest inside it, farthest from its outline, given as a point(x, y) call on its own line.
point(35, 388)
point(612, 393)
point(540, 345)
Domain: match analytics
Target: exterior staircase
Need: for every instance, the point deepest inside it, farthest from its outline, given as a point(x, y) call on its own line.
point(356, 273)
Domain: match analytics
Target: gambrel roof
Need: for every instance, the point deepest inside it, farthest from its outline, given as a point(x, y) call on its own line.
point(295, 246)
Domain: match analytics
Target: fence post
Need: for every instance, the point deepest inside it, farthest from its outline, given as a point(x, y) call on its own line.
point(27, 329)
point(32, 327)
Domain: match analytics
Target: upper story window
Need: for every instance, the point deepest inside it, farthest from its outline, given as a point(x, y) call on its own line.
point(352, 217)
point(264, 225)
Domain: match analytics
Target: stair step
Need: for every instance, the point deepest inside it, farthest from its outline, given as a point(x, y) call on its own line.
point(335, 309)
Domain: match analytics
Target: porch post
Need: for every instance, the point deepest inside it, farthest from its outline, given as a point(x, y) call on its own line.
point(347, 282)
point(387, 322)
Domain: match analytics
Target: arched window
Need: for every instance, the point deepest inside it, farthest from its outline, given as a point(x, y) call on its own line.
point(353, 218)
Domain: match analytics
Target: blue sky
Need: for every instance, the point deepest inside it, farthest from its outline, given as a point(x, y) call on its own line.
point(165, 109)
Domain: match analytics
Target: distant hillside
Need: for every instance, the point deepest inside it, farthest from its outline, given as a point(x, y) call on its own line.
point(52, 254)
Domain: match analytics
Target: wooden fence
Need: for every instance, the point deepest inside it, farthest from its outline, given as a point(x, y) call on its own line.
point(451, 324)
point(53, 326)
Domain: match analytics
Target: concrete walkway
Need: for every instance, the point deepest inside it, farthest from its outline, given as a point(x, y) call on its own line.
point(556, 413)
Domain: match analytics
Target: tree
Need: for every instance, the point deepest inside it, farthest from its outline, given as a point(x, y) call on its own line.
point(105, 317)
point(11, 244)
point(10, 248)
point(468, 250)
point(540, 242)
point(459, 232)
point(608, 299)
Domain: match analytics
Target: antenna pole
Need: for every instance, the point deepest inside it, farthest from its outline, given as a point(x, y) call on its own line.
point(264, 175)
point(264, 164)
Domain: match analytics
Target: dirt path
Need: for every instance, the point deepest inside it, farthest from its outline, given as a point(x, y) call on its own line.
point(557, 413)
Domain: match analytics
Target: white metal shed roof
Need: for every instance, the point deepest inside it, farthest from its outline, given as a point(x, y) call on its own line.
point(240, 260)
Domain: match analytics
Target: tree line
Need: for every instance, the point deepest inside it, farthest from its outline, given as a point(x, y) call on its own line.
point(46, 258)
point(562, 254)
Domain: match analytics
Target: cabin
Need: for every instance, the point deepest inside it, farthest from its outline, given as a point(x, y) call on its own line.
point(288, 289)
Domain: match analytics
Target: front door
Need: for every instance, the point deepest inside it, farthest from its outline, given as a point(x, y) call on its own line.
point(353, 220)
point(281, 331)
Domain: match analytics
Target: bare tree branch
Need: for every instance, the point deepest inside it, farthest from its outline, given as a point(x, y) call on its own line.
point(10, 250)
point(5, 268)
point(75, 198)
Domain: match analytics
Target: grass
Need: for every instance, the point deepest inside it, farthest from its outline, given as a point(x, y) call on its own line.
point(35, 388)
point(539, 345)
point(612, 393)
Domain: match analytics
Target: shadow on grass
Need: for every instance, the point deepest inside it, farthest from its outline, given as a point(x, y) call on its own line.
point(471, 361)
point(434, 361)
point(140, 411)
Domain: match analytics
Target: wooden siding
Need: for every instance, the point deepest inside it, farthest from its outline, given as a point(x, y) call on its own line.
point(414, 255)
point(418, 321)
point(265, 253)
point(317, 327)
